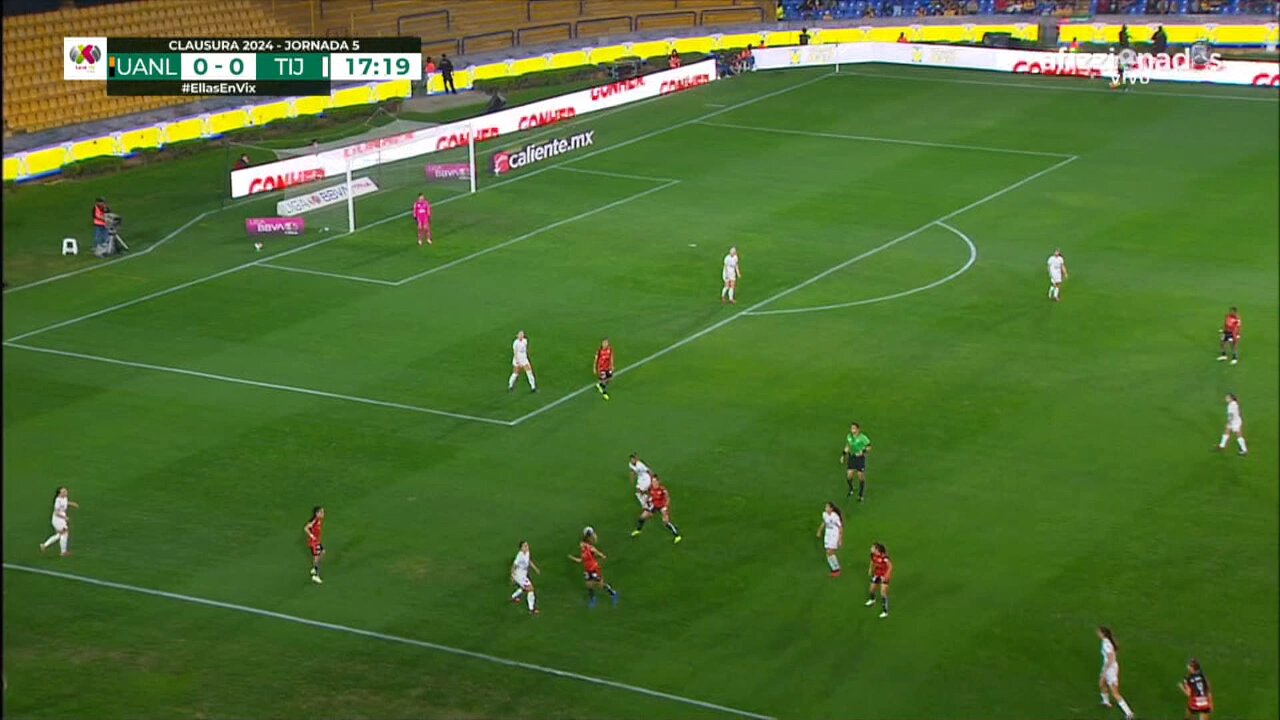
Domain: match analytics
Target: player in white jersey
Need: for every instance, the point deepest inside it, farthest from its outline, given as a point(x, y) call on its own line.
point(730, 275)
point(1109, 678)
point(644, 480)
point(61, 531)
point(1057, 274)
point(520, 363)
point(520, 576)
point(1234, 426)
point(832, 533)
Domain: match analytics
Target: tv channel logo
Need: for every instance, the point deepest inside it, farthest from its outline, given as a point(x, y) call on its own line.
point(84, 58)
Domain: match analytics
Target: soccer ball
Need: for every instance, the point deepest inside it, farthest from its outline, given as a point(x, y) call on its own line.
point(326, 229)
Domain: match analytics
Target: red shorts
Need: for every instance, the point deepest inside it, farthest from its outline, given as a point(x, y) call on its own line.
point(1200, 705)
point(316, 548)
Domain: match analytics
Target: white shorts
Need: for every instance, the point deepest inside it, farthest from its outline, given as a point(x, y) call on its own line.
point(730, 277)
point(645, 502)
point(520, 361)
point(59, 524)
point(521, 579)
point(1055, 278)
point(831, 541)
point(1111, 676)
point(1236, 426)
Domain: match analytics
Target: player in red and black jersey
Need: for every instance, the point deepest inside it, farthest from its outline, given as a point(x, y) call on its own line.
point(590, 558)
point(659, 504)
point(314, 530)
point(880, 570)
point(1196, 687)
point(604, 367)
point(1230, 337)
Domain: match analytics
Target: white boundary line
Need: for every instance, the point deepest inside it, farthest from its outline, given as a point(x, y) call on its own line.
point(799, 286)
point(973, 257)
point(1271, 97)
point(308, 271)
point(259, 383)
point(892, 141)
point(567, 674)
point(321, 241)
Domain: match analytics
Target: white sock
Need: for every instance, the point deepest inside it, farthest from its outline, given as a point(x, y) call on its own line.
point(1223, 442)
point(1240, 442)
point(1050, 291)
point(833, 562)
point(512, 382)
point(1105, 699)
point(516, 594)
point(62, 541)
point(52, 539)
point(1125, 707)
point(531, 602)
point(532, 383)
point(730, 293)
point(724, 291)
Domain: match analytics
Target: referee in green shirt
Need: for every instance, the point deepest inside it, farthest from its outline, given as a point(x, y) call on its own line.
point(856, 447)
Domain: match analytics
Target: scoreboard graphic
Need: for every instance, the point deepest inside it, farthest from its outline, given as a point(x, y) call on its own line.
point(238, 66)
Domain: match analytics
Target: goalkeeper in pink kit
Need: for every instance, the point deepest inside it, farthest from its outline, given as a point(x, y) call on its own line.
point(422, 213)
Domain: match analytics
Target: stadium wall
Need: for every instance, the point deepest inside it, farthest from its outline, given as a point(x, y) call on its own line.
point(40, 162)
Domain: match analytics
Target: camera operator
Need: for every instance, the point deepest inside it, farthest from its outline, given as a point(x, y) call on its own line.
point(100, 236)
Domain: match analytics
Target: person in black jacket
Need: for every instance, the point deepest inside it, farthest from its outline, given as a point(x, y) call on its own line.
point(446, 74)
point(1159, 40)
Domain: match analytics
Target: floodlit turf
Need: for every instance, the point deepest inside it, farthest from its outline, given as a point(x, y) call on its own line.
point(1037, 469)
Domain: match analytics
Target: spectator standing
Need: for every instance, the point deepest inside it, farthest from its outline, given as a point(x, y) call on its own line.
point(780, 12)
point(428, 69)
point(446, 73)
point(902, 37)
point(242, 162)
point(1159, 40)
point(100, 210)
point(1124, 36)
point(748, 59)
point(804, 36)
point(674, 61)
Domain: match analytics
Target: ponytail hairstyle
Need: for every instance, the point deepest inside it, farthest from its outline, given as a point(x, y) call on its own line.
point(836, 509)
point(1106, 633)
point(316, 511)
point(880, 549)
point(58, 493)
point(1193, 663)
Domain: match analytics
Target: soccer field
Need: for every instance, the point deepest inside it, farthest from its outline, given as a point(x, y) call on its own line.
point(1038, 468)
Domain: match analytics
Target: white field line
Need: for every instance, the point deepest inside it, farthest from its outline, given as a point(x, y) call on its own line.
point(539, 231)
point(260, 384)
point(321, 241)
point(973, 258)
point(892, 141)
point(799, 286)
point(566, 674)
point(606, 173)
point(1263, 96)
point(340, 276)
point(558, 127)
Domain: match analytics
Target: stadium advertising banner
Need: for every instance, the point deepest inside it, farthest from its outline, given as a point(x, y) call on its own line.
point(333, 163)
point(1186, 66)
point(325, 197)
point(505, 161)
point(275, 226)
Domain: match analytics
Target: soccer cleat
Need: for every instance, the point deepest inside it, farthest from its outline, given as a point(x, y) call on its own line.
point(850, 494)
point(606, 396)
point(515, 601)
point(835, 573)
point(1219, 447)
point(1242, 453)
point(66, 554)
point(635, 533)
point(316, 579)
point(533, 390)
point(42, 547)
point(861, 499)
point(1221, 358)
point(419, 242)
point(1105, 703)
point(677, 540)
point(870, 602)
point(535, 611)
point(1234, 361)
point(884, 613)
point(511, 388)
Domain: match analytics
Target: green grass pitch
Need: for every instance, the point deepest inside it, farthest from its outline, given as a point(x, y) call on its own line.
point(1038, 468)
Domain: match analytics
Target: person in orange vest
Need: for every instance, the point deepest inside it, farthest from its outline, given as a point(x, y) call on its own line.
point(1075, 45)
point(428, 69)
point(902, 37)
point(674, 60)
point(100, 210)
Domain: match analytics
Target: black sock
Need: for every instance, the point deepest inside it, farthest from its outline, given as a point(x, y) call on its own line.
point(673, 529)
point(862, 487)
point(871, 595)
point(849, 481)
point(610, 589)
point(640, 524)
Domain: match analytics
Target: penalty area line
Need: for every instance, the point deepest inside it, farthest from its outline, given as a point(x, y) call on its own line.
point(335, 627)
point(261, 384)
